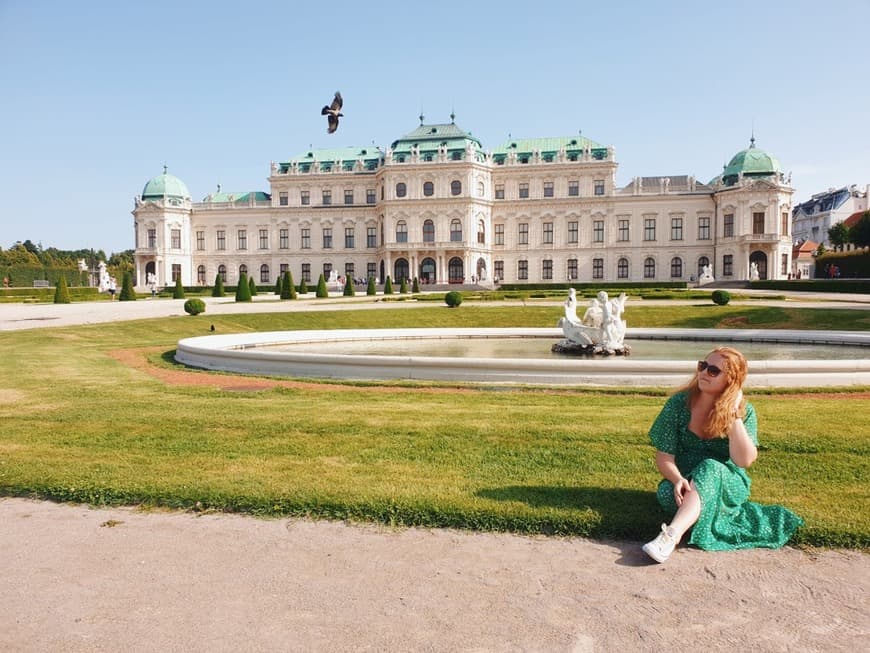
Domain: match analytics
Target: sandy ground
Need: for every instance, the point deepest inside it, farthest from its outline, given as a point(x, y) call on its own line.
point(81, 579)
point(77, 579)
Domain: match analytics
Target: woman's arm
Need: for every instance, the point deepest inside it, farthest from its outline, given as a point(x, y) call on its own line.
point(740, 446)
point(668, 468)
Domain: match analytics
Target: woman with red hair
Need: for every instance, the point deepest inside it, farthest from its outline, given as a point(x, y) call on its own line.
point(705, 438)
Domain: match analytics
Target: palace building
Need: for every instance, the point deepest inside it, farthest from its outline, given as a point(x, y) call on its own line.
point(435, 205)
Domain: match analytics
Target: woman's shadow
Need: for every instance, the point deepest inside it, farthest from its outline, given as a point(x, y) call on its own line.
point(623, 517)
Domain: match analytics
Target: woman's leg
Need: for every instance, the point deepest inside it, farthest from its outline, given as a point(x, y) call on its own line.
point(687, 513)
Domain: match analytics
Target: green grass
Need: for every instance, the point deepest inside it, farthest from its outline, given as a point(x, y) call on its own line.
point(80, 426)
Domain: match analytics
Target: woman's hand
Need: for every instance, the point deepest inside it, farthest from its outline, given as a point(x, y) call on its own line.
point(738, 401)
point(681, 488)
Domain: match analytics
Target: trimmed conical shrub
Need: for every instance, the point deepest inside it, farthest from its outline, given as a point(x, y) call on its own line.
point(243, 290)
point(61, 292)
point(303, 288)
point(253, 286)
point(348, 287)
point(321, 287)
point(415, 287)
point(403, 287)
point(370, 289)
point(287, 289)
point(178, 292)
point(128, 294)
point(279, 285)
point(218, 290)
point(388, 286)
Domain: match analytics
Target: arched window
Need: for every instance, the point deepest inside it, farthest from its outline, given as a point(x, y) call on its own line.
point(222, 270)
point(702, 263)
point(264, 273)
point(481, 189)
point(401, 270)
point(401, 232)
point(401, 189)
point(456, 230)
point(200, 275)
point(649, 268)
point(676, 267)
point(428, 231)
point(481, 232)
point(455, 272)
point(455, 187)
point(622, 268)
point(428, 188)
point(427, 271)
point(243, 269)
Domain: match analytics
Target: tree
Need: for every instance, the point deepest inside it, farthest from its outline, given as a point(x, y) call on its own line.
point(128, 294)
point(178, 293)
point(838, 235)
point(859, 234)
point(288, 290)
point(61, 292)
point(370, 289)
point(218, 290)
point(321, 287)
point(253, 286)
point(403, 287)
point(415, 287)
point(303, 289)
point(243, 289)
point(388, 286)
point(348, 287)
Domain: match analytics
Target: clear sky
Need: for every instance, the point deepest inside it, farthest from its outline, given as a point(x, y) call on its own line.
point(96, 96)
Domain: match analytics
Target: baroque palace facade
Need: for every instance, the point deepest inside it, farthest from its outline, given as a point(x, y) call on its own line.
point(436, 206)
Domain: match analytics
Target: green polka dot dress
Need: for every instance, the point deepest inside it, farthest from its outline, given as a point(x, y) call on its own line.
point(728, 519)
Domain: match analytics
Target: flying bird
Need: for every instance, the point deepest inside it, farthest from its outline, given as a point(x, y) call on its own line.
point(333, 113)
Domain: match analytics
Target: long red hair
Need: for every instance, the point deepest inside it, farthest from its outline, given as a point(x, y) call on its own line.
point(735, 369)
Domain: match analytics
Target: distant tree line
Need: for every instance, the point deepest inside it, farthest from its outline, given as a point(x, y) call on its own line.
point(858, 234)
point(24, 262)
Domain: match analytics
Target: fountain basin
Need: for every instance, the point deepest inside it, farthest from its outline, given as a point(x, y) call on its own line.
point(248, 353)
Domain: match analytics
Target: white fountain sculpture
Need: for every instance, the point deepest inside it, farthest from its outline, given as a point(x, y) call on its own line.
point(601, 331)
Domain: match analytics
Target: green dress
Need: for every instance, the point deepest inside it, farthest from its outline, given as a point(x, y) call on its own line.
point(728, 519)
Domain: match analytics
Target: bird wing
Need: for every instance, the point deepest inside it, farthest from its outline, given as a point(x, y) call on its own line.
point(333, 123)
point(324, 111)
point(337, 102)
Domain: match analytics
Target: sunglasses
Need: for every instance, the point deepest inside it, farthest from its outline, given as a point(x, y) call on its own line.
point(712, 370)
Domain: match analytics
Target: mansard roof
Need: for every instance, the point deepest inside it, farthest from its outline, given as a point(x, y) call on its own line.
point(238, 198)
point(548, 148)
point(676, 183)
point(428, 138)
point(825, 201)
point(370, 155)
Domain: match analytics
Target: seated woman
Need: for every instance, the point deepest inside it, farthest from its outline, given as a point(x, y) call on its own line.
point(705, 438)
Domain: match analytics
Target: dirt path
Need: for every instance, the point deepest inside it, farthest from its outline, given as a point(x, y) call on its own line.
point(78, 579)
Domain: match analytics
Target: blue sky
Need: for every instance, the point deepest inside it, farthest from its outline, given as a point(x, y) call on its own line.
point(97, 96)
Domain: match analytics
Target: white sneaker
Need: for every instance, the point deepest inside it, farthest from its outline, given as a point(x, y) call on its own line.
point(660, 549)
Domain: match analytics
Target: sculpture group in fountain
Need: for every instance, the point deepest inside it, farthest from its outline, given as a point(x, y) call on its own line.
point(706, 275)
point(601, 331)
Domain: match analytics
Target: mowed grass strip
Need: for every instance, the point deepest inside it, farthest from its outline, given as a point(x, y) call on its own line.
point(80, 426)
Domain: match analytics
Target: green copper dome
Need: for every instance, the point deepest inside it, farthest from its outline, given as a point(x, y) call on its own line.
point(752, 162)
point(165, 185)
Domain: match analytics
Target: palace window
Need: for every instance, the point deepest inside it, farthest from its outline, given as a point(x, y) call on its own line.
point(624, 231)
point(264, 239)
point(428, 189)
point(455, 187)
point(243, 238)
point(548, 189)
point(598, 268)
point(370, 196)
point(703, 262)
point(676, 267)
point(348, 237)
point(348, 271)
point(599, 187)
point(758, 222)
point(305, 236)
point(200, 275)
point(546, 269)
point(573, 188)
point(598, 231)
point(728, 225)
point(371, 237)
point(498, 234)
point(573, 232)
point(523, 234)
point(401, 232)
point(175, 238)
point(522, 270)
point(784, 226)
point(176, 271)
point(371, 270)
point(221, 240)
point(284, 268)
point(222, 271)
point(284, 238)
point(348, 197)
point(703, 228)
point(728, 265)
point(401, 189)
point(264, 274)
point(152, 238)
point(455, 230)
point(243, 269)
point(548, 233)
point(283, 198)
point(200, 240)
point(305, 197)
point(306, 272)
point(676, 228)
point(499, 191)
point(572, 269)
point(649, 268)
point(327, 238)
point(622, 268)
point(649, 229)
point(524, 191)
point(498, 269)
point(327, 197)
point(784, 265)
point(481, 232)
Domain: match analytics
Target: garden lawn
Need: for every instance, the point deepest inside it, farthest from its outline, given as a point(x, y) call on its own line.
point(78, 425)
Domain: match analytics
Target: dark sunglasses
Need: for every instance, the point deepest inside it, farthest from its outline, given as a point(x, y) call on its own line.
point(712, 370)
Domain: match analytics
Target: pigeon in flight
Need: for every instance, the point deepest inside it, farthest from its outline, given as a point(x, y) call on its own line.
point(333, 113)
